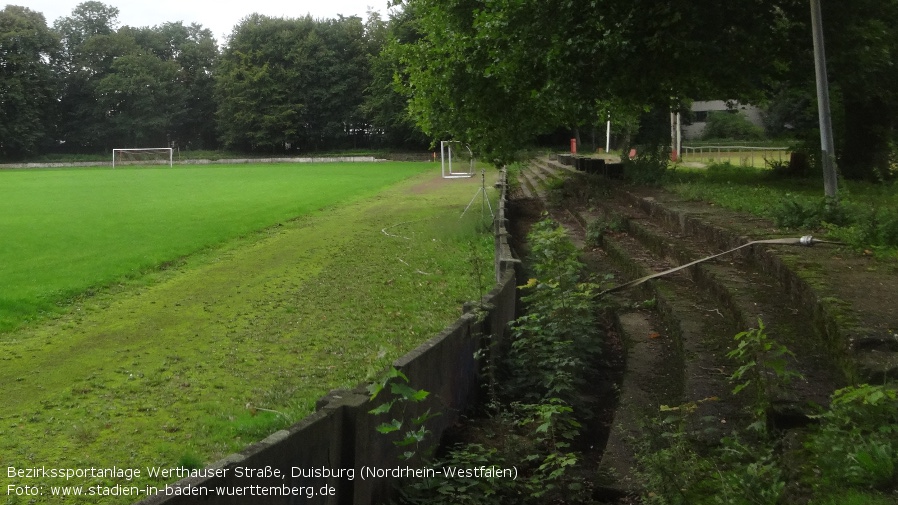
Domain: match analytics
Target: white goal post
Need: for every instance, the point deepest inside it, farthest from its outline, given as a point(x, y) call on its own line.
point(143, 156)
point(456, 159)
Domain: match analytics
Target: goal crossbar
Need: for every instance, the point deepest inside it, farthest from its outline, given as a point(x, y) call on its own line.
point(143, 156)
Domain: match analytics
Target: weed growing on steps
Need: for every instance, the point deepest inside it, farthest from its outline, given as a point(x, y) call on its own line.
point(857, 441)
point(597, 229)
point(558, 338)
point(851, 454)
point(762, 369)
point(536, 416)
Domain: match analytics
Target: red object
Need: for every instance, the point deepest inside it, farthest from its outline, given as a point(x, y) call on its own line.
point(573, 146)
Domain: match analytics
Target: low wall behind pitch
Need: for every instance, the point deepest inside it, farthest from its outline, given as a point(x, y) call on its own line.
point(322, 159)
point(320, 459)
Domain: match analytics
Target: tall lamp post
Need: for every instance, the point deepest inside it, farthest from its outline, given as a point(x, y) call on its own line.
point(827, 148)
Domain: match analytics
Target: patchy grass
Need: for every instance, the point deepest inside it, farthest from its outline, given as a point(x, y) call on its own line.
point(866, 220)
point(225, 347)
point(69, 230)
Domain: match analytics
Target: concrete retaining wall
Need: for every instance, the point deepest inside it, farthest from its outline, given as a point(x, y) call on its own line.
point(339, 440)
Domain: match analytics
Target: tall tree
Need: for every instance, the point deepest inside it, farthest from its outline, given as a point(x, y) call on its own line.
point(292, 83)
point(258, 83)
point(195, 51)
point(385, 106)
point(495, 72)
point(89, 47)
point(862, 50)
point(27, 84)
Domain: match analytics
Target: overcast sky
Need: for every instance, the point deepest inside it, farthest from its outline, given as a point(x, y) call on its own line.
point(220, 16)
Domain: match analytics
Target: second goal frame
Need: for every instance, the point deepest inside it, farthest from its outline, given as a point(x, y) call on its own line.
point(454, 162)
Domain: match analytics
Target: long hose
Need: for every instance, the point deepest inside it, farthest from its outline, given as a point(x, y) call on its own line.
point(807, 241)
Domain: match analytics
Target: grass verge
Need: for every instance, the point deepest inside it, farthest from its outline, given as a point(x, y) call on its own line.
point(866, 218)
point(240, 340)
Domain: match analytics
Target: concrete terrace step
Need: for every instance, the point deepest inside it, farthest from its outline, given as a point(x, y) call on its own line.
point(699, 309)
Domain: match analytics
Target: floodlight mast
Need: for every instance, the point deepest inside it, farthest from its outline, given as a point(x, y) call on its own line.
point(827, 146)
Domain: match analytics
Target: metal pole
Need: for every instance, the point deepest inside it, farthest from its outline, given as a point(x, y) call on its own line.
point(679, 137)
point(827, 149)
point(608, 135)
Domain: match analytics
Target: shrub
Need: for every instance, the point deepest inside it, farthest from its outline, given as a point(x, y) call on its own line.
point(557, 340)
point(649, 167)
point(731, 125)
point(790, 212)
point(857, 441)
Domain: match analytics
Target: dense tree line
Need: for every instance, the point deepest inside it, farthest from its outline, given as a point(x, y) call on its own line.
point(496, 74)
point(87, 84)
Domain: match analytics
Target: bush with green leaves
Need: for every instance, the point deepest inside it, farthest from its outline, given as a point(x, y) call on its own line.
point(762, 369)
point(857, 440)
point(402, 396)
point(541, 454)
point(649, 167)
point(852, 453)
point(731, 125)
point(791, 212)
point(557, 340)
point(534, 429)
point(597, 229)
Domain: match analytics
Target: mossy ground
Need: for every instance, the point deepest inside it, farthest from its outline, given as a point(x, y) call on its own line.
point(219, 350)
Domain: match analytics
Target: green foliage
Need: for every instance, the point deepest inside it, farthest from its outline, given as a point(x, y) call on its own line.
point(598, 228)
point(790, 212)
point(291, 83)
point(673, 472)
point(649, 167)
point(402, 397)
point(851, 453)
point(763, 368)
point(384, 103)
point(133, 87)
point(555, 344)
point(28, 88)
point(545, 464)
point(553, 427)
point(557, 338)
point(857, 440)
point(677, 470)
point(853, 497)
point(866, 217)
point(464, 490)
point(731, 126)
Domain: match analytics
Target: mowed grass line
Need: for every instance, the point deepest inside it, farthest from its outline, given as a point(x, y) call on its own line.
point(241, 340)
point(67, 231)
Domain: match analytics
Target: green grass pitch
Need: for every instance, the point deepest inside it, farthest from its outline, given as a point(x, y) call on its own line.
point(67, 231)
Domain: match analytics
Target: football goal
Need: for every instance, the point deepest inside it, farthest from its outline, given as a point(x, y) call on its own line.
point(142, 156)
point(456, 159)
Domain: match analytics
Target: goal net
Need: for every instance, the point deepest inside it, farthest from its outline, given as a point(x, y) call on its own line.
point(456, 159)
point(144, 156)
